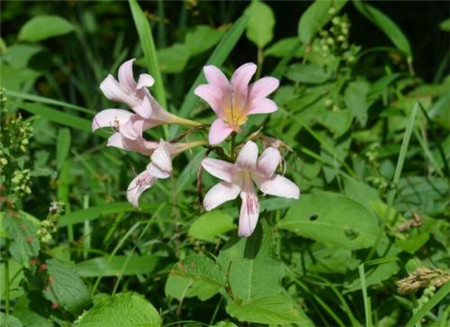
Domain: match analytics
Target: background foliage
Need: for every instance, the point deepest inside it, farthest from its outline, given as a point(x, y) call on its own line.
point(364, 109)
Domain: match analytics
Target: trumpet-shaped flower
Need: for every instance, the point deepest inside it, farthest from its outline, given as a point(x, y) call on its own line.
point(147, 111)
point(240, 177)
point(233, 101)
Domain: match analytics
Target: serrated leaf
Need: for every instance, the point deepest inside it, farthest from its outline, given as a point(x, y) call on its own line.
point(65, 287)
point(202, 38)
point(106, 266)
point(120, 310)
point(173, 59)
point(356, 100)
point(44, 27)
point(210, 225)
point(22, 230)
point(62, 146)
point(332, 219)
point(261, 22)
point(195, 276)
point(317, 16)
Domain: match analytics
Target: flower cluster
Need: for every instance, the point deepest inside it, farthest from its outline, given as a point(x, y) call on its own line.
point(233, 101)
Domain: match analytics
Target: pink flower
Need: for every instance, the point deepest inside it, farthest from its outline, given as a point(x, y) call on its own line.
point(240, 177)
point(234, 101)
point(147, 111)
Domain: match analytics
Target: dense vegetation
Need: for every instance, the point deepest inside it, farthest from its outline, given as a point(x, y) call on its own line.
point(361, 128)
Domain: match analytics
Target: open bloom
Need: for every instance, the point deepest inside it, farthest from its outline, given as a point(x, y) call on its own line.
point(233, 101)
point(240, 177)
point(147, 112)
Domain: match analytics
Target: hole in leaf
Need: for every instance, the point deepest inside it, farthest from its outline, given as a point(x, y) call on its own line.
point(351, 234)
point(313, 217)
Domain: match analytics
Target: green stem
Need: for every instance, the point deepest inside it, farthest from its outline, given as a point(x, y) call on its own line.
point(260, 62)
point(6, 277)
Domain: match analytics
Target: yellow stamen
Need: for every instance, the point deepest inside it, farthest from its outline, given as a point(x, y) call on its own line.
point(235, 117)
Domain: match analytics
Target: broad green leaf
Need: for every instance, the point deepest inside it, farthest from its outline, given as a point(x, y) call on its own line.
point(360, 192)
point(202, 38)
point(253, 270)
point(356, 100)
point(196, 276)
point(22, 230)
point(16, 277)
point(211, 224)
point(20, 54)
point(445, 25)
point(332, 219)
point(65, 287)
point(148, 47)
point(106, 266)
point(27, 311)
point(57, 116)
point(338, 122)
point(327, 260)
point(383, 22)
point(275, 309)
point(174, 58)
point(44, 27)
point(261, 22)
point(62, 146)
point(284, 47)
point(308, 74)
point(9, 321)
point(316, 17)
point(120, 310)
point(374, 276)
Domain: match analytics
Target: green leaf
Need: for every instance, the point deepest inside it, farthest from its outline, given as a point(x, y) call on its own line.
point(275, 309)
point(44, 27)
point(174, 58)
point(120, 310)
point(445, 25)
point(9, 321)
point(260, 25)
point(29, 312)
point(196, 276)
point(66, 287)
point(106, 266)
point(22, 229)
point(356, 100)
point(284, 47)
point(374, 276)
point(62, 146)
point(253, 270)
point(332, 219)
point(316, 17)
point(208, 226)
point(384, 23)
point(148, 47)
point(308, 74)
point(202, 38)
point(360, 192)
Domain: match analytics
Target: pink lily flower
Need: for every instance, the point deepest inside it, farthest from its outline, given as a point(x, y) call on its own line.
point(240, 177)
point(233, 101)
point(147, 111)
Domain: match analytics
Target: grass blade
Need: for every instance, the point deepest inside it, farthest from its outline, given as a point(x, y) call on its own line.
point(367, 306)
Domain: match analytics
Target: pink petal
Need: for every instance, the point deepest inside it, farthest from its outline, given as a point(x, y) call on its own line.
point(139, 184)
point(279, 186)
point(249, 213)
point(239, 81)
point(216, 97)
point(218, 132)
point(126, 77)
point(144, 109)
point(219, 168)
point(115, 140)
point(145, 80)
point(133, 128)
point(247, 156)
point(110, 118)
point(115, 92)
point(220, 193)
point(268, 161)
point(261, 106)
point(139, 145)
point(215, 77)
point(161, 165)
point(263, 87)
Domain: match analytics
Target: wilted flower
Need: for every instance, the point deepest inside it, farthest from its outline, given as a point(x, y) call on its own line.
point(239, 178)
point(233, 101)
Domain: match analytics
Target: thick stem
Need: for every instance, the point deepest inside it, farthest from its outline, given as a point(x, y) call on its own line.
point(183, 121)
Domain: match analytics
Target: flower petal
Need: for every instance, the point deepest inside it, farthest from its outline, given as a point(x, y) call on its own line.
point(261, 106)
point(126, 77)
point(263, 87)
point(268, 161)
point(247, 156)
point(216, 97)
point(115, 92)
point(145, 80)
point(215, 77)
point(218, 132)
point(249, 214)
point(220, 193)
point(279, 186)
point(115, 140)
point(239, 82)
point(144, 109)
point(110, 118)
point(161, 159)
point(139, 184)
point(219, 168)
